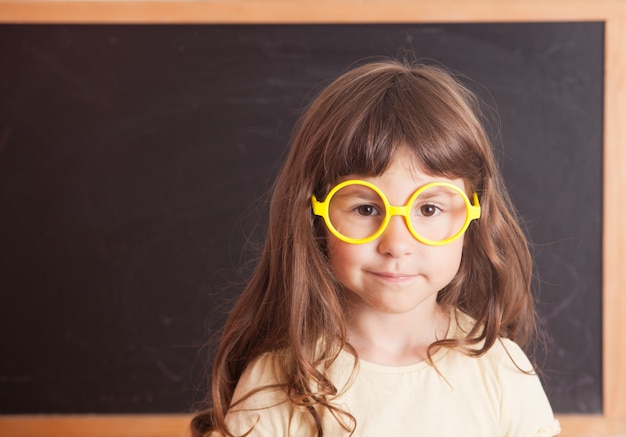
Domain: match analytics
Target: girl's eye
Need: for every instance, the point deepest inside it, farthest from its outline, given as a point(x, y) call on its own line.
point(366, 210)
point(429, 210)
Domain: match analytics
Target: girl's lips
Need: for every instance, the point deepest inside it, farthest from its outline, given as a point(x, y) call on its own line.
point(393, 277)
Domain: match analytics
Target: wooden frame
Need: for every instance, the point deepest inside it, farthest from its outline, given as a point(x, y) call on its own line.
point(612, 12)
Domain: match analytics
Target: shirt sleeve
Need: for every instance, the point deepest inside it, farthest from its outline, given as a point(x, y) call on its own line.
point(525, 409)
point(267, 412)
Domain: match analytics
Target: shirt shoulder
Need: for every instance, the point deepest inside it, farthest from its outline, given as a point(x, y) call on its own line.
point(497, 393)
point(505, 369)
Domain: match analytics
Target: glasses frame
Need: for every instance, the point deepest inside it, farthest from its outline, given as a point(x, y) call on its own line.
point(320, 208)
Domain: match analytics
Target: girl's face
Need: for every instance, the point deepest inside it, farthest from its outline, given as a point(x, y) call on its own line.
point(395, 273)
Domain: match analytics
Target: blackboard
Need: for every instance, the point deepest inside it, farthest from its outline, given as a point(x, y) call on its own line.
point(134, 161)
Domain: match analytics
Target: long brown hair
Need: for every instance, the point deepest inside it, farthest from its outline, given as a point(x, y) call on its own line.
point(293, 305)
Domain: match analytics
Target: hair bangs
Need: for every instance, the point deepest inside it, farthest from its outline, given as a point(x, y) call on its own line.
point(368, 148)
point(436, 129)
point(413, 109)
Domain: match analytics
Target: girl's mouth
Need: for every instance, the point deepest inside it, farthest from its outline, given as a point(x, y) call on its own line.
point(393, 277)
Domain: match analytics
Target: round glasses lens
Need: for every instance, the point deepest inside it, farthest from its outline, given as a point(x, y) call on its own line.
point(356, 211)
point(438, 213)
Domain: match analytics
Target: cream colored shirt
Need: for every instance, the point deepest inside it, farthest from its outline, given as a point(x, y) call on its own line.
point(481, 397)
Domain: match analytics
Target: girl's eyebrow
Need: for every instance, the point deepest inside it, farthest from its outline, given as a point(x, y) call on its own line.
point(432, 193)
point(365, 194)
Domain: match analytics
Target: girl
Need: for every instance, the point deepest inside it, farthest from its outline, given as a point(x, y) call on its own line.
point(393, 289)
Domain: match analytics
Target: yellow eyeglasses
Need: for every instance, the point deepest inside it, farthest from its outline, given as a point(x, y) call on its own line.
point(358, 212)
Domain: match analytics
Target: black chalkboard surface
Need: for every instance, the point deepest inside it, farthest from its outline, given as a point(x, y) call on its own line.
point(134, 160)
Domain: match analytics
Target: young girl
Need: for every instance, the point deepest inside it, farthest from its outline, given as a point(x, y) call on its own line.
point(394, 285)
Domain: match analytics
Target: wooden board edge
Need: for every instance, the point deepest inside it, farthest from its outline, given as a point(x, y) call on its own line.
point(614, 221)
point(177, 425)
point(294, 11)
point(613, 12)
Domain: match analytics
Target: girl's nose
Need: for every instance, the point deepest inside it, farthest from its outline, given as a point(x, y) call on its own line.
point(396, 241)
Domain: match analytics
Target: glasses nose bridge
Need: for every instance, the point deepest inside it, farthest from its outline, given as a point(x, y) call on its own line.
point(398, 210)
point(397, 239)
point(402, 211)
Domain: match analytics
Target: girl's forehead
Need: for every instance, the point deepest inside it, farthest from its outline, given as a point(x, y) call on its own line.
point(406, 166)
point(404, 174)
point(402, 168)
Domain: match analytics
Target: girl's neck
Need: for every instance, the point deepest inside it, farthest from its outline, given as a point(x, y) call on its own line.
point(396, 339)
